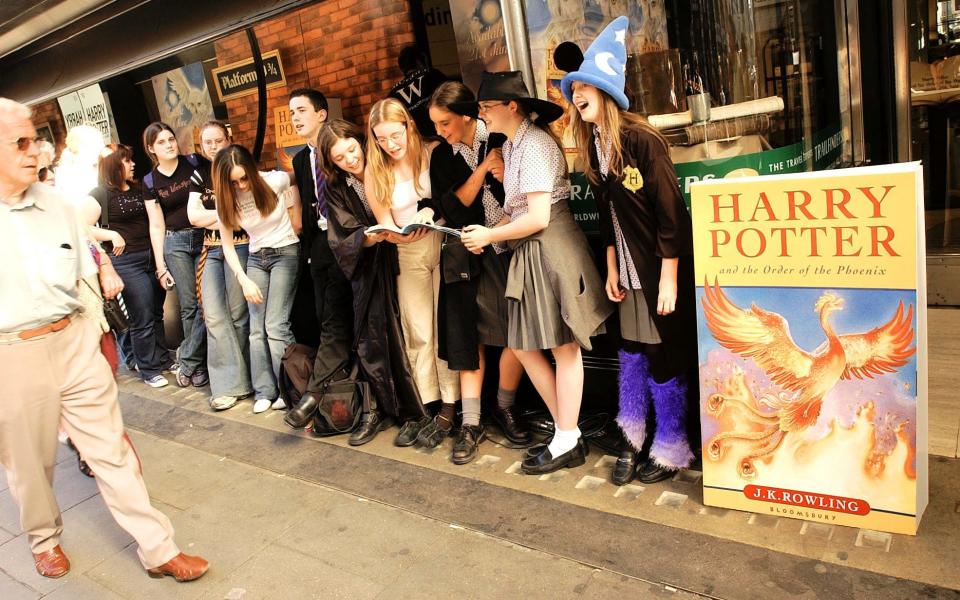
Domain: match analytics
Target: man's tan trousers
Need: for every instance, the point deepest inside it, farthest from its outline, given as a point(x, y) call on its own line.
point(63, 378)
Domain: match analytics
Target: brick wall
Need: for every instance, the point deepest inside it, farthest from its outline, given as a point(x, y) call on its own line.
point(347, 49)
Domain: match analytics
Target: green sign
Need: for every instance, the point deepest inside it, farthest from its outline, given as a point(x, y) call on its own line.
point(823, 153)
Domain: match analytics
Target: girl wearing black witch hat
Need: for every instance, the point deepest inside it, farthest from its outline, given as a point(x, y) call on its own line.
point(554, 293)
point(466, 175)
point(649, 242)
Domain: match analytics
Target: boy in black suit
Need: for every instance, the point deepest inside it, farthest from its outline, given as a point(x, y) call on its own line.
point(332, 294)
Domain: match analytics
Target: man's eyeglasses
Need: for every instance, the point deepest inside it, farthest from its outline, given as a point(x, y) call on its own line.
point(23, 144)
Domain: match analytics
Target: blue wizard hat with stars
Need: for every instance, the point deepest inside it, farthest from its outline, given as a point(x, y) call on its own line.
point(603, 66)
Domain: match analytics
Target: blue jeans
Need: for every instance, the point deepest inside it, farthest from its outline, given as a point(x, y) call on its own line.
point(228, 325)
point(181, 251)
point(274, 270)
point(140, 291)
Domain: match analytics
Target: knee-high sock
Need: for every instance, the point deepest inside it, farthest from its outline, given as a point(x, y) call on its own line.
point(634, 397)
point(670, 448)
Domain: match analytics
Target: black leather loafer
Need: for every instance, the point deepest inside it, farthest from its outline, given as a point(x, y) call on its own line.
point(652, 472)
point(371, 424)
point(625, 470)
point(409, 431)
point(538, 448)
point(432, 434)
point(298, 416)
point(467, 445)
point(545, 462)
point(511, 426)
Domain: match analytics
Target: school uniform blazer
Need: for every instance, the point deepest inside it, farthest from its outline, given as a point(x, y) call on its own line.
point(656, 224)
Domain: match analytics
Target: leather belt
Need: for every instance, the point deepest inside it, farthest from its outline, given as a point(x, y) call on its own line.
point(27, 334)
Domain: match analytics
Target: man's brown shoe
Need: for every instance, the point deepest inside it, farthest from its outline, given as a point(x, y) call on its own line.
point(53, 563)
point(181, 567)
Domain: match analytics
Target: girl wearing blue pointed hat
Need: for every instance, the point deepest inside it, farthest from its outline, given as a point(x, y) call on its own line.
point(647, 234)
point(554, 296)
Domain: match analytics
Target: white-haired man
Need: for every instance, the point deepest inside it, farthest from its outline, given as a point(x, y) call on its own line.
point(52, 372)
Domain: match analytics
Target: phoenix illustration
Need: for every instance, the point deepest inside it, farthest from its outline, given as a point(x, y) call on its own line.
point(806, 377)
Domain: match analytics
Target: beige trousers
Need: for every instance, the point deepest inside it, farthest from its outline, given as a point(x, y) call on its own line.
point(63, 378)
point(418, 290)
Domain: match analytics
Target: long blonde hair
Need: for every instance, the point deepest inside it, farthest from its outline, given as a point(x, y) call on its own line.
point(391, 110)
point(613, 121)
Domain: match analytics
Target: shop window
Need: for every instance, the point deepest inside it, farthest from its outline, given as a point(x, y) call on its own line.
point(737, 87)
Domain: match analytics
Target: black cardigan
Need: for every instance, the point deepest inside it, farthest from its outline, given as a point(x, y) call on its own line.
point(457, 310)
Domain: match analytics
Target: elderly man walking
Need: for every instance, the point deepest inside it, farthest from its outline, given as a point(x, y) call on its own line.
point(52, 371)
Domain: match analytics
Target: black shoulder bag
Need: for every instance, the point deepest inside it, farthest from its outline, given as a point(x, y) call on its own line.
point(342, 399)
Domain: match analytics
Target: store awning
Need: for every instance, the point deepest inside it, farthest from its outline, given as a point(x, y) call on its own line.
point(67, 49)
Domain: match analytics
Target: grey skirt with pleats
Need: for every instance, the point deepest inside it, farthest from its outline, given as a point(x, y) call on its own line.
point(636, 323)
point(535, 322)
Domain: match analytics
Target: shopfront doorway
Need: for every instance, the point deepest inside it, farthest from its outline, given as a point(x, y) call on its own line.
point(932, 40)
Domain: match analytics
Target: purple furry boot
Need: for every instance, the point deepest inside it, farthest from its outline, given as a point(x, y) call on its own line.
point(634, 398)
point(670, 448)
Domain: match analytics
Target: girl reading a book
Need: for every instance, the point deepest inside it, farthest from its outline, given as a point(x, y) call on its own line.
point(397, 185)
point(554, 293)
point(648, 236)
point(370, 264)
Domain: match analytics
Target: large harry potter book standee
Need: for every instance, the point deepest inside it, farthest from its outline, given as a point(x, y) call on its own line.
point(812, 340)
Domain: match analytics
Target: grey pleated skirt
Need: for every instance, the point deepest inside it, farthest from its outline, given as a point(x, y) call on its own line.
point(491, 298)
point(636, 323)
point(535, 321)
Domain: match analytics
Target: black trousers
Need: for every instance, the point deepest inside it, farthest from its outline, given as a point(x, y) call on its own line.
point(333, 299)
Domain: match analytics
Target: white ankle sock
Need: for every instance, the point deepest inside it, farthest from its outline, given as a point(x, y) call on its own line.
point(563, 441)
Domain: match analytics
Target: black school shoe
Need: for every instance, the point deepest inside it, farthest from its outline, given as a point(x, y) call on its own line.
point(652, 472)
point(409, 431)
point(511, 425)
point(467, 445)
point(545, 462)
point(625, 470)
point(432, 435)
point(371, 424)
point(538, 448)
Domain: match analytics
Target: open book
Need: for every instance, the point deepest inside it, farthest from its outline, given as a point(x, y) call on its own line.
point(411, 228)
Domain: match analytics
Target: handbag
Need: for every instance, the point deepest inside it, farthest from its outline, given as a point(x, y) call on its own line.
point(114, 311)
point(342, 399)
point(459, 264)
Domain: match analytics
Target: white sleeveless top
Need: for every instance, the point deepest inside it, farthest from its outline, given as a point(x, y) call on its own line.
point(403, 204)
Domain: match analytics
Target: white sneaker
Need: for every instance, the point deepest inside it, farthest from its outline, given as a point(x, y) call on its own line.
point(261, 405)
point(223, 402)
point(157, 381)
point(279, 403)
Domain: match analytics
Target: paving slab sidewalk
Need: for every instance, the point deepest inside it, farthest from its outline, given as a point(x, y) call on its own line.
point(272, 536)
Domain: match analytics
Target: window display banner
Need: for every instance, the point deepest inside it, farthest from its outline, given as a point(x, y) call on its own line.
point(812, 335)
point(287, 141)
point(184, 103)
point(481, 44)
point(86, 107)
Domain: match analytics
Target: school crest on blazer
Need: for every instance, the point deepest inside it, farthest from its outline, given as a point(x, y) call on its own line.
point(632, 179)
